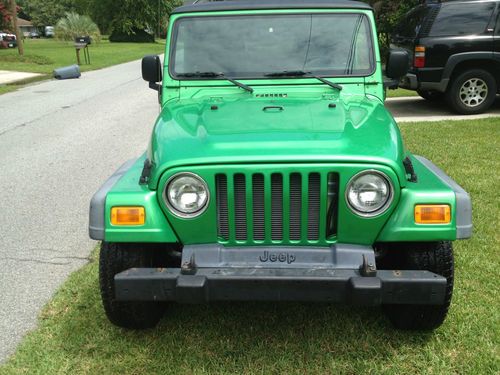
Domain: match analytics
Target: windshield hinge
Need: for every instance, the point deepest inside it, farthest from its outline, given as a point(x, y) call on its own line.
point(409, 170)
point(146, 172)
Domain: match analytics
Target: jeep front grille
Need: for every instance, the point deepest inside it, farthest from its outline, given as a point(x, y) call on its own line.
point(274, 207)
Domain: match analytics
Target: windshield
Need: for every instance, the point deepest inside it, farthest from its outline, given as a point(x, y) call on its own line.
point(252, 46)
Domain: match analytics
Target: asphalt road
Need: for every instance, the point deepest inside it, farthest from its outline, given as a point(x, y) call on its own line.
point(59, 141)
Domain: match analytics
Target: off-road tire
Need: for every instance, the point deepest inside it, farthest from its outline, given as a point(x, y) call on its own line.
point(456, 99)
point(436, 257)
point(431, 95)
point(115, 258)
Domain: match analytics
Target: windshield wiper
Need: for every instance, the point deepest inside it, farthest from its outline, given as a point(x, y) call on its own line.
point(216, 75)
point(300, 73)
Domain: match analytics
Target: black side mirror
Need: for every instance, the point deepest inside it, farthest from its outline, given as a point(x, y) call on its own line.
point(398, 63)
point(151, 71)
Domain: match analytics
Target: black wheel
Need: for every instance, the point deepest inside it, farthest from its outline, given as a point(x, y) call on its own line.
point(472, 92)
point(431, 95)
point(436, 257)
point(118, 257)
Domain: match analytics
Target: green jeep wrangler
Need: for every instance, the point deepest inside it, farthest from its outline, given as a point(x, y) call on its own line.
point(275, 173)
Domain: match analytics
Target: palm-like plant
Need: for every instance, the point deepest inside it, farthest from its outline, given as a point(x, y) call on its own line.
point(74, 25)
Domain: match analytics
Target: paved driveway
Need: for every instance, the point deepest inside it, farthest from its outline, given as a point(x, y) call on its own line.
point(59, 141)
point(7, 76)
point(417, 109)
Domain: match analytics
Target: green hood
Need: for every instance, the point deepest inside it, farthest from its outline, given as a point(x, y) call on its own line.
point(240, 130)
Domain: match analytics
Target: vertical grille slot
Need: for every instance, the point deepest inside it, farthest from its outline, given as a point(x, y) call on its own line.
point(259, 225)
point(240, 207)
point(332, 204)
point(313, 206)
point(295, 205)
point(222, 212)
point(266, 206)
point(276, 207)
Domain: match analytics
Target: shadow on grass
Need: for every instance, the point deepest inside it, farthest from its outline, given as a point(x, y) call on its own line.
point(282, 337)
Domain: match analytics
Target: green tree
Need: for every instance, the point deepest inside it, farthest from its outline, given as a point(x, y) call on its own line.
point(5, 16)
point(388, 13)
point(47, 12)
point(126, 15)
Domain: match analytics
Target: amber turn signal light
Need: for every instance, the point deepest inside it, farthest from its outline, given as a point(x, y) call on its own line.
point(432, 214)
point(128, 216)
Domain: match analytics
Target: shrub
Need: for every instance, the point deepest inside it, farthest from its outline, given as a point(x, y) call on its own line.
point(73, 25)
point(136, 36)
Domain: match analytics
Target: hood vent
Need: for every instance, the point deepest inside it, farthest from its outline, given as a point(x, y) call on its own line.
point(271, 95)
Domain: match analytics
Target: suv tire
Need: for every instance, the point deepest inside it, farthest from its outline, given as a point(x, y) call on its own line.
point(472, 92)
point(115, 258)
point(436, 257)
point(431, 95)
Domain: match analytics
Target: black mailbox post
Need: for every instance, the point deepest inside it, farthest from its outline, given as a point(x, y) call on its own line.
point(82, 43)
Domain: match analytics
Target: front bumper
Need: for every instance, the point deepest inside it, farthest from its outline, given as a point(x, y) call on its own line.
point(332, 274)
point(250, 284)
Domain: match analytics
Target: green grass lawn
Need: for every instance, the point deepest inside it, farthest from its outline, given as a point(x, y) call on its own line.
point(44, 55)
point(264, 338)
point(400, 93)
point(4, 89)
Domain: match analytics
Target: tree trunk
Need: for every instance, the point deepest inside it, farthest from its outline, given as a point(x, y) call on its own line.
point(19, 38)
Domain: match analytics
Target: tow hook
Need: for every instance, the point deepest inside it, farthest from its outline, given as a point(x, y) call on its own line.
point(189, 268)
point(367, 269)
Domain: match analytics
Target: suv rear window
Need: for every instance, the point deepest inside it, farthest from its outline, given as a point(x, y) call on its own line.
point(462, 18)
point(411, 23)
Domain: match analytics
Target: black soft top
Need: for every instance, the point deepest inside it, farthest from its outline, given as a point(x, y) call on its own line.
point(270, 4)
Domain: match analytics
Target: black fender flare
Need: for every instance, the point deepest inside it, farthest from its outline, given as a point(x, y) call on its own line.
point(98, 202)
point(458, 58)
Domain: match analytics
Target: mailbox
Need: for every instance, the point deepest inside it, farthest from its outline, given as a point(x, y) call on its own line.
point(83, 42)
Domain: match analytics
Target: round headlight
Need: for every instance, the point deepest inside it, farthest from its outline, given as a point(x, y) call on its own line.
point(186, 195)
point(369, 193)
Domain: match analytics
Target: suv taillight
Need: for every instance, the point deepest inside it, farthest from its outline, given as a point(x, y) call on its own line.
point(419, 60)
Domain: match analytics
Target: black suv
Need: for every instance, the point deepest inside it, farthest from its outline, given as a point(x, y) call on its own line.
point(455, 49)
